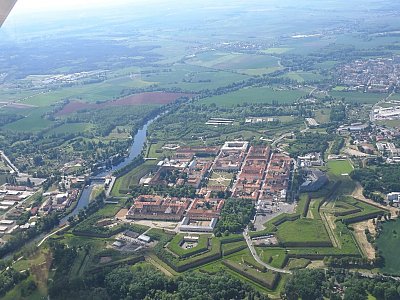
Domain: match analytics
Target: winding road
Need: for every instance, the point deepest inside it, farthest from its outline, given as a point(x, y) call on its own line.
point(257, 258)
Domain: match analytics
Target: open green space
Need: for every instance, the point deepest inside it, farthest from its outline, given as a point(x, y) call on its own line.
point(70, 128)
point(175, 245)
point(339, 167)
point(358, 97)
point(303, 232)
point(275, 257)
point(233, 61)
point(265, 95)
point(220, 179)
point(305, 76)
point(34, 121)
point(388, 243)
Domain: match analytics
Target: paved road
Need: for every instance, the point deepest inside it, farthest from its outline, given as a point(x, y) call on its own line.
point(257, 258)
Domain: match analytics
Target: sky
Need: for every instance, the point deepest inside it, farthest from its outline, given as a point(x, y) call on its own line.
point(29, 6)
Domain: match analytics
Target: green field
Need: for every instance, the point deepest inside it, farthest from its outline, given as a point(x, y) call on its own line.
point(70, 128)
point(339, 167)
point(233, 61)
point(33, 122)
point(303, 232)
point(305, 76)
point(275, 257)
point(256, 95)
point(388, 243)
point(358, 97)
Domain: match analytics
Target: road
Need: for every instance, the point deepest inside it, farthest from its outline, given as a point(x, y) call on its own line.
point(257, 258)
point(281, 138)
point(8, 161)
point(50, 234)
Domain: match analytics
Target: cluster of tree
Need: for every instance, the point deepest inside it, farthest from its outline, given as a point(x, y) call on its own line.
point(353, 262)
point(310, 142)
point(172, 175)
point(144, 282)
point(133, 164)
point(93, 207)
point(184, 191)
point(63, 260)
point(384, 178)
point(9, 118)
point(339, 284)
point(19, 239)
point(235, 216)
point(305, 284)
point(338, 113)
point(106, 119)
point(9, 278)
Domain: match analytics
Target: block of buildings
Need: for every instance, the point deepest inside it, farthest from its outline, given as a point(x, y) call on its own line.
point(151, 207)
point(205, 209)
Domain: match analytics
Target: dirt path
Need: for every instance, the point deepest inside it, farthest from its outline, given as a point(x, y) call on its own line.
point(357, 193)
point(359, 233)
point(330, 226)
point(158, 266)
point(316, 264)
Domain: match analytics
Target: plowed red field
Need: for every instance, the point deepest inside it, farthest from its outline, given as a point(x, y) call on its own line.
point(138, 99)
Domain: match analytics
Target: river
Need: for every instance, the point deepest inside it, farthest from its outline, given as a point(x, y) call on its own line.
point(137, 146)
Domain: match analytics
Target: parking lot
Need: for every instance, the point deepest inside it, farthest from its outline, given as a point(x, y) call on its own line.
point(275, 208)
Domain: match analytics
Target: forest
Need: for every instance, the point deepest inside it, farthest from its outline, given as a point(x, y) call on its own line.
point(143, 282)
point(316, 284)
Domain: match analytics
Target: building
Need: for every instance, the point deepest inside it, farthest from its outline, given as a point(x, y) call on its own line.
point(310, 160)
point(205, 209)
point(149, 207)
point(393, 197)
point(388, 149)
point(144, 238)
point(277, 178)
point(314, 180)
point(189, 225)
point(353, 128)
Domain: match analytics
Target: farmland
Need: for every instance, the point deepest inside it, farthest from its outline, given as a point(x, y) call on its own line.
point(138, 99)
point(264, 95)
point(234, 61)
point(357, 97)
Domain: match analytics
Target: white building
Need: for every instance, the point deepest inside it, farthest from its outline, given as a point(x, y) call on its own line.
point(393, 197)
